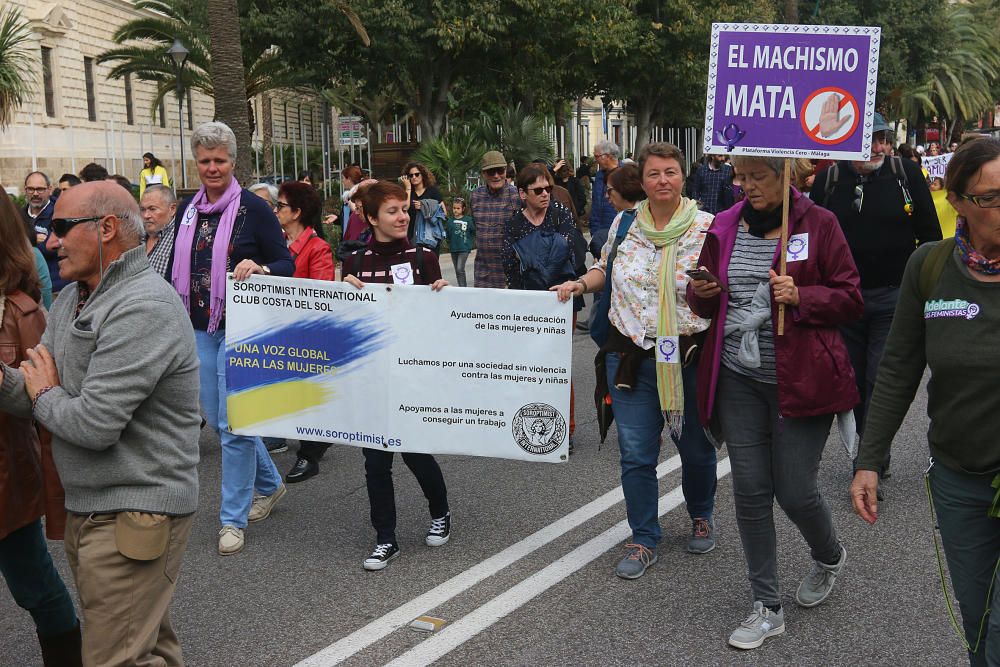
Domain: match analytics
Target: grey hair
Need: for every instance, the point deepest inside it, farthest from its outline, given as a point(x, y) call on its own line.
point(167, 194)
point(272, 191)
point(609, 147)
point(131, 231)
point(212, 135)
point(775, 164)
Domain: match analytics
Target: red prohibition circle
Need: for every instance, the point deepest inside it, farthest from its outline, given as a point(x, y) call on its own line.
point(813, 133)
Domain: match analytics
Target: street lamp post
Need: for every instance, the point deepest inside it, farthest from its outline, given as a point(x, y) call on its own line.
point(179, 54)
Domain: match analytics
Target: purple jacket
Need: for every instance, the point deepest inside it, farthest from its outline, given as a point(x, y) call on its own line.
point(813, 368)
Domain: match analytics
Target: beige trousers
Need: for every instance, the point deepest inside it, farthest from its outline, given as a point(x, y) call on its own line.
point(125, 603)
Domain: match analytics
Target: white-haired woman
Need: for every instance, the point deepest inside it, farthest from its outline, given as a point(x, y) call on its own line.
point(225, 228)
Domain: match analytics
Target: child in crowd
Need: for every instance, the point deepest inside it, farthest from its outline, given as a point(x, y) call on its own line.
point(461, 237)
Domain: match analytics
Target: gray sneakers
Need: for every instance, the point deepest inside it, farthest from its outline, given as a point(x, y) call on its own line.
point(819, 582)
point(757, 627)
point(702, 536)
point(637, 559)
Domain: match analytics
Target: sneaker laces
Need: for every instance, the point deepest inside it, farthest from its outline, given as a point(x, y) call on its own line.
point(381, 550)
point(639, 552)
point(755, 618)
point(702, 528)
point(439, 525)
point(820, 572)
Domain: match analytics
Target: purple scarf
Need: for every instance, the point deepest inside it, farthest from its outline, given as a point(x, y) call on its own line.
point(228, 204)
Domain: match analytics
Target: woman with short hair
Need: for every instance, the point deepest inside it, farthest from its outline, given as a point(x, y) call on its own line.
point(946, 320)
point(385, 209)
point(624, 187)
point(226, 229)
point(651, 353)
point(298, 209)
point(774, 396)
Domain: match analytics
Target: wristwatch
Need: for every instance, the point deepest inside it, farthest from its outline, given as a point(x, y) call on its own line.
point(266, 269)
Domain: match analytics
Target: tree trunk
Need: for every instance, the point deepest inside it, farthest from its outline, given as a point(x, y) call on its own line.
point(228, 79)
point(267, 132)
point(643, 111)
point(791, 12)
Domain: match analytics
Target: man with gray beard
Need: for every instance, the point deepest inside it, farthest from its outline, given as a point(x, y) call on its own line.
point(885, 209)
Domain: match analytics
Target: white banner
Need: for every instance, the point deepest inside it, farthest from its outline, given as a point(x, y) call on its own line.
point(937, 165)
point(478, 372)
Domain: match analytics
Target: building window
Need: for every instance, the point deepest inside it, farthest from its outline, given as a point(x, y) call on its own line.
point(190, 111)
point(129, 112)
point(88, 73)
point(163, 113)
point(50, 96)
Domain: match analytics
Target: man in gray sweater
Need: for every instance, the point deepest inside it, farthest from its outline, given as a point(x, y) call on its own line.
point(115, 379)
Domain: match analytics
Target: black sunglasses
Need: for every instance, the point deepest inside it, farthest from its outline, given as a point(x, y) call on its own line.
point(61, 226)
point(280, 205)
point(538, 191)
point(495, 171)
point(414, 174)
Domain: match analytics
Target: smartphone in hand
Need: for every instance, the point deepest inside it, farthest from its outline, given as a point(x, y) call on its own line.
point(707, 276)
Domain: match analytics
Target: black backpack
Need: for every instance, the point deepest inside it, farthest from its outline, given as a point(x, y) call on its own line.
point(895, 163)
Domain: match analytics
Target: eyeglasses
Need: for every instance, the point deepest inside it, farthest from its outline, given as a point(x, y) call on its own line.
point(61, 226)
point(859, 197)
point(495, 171)
point(415, 174)
point(36, 190)
point(992, 200)
point(280, 205)
point(538, 191)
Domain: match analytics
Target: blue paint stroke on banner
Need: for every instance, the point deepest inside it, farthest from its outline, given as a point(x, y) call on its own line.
point(302, 349)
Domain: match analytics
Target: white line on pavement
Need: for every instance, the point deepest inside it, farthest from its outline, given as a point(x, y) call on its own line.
point(470, 625)
point(381, 627)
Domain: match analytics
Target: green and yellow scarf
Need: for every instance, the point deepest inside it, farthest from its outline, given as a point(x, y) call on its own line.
point(669, 383)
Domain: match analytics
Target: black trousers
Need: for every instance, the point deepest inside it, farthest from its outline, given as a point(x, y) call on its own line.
point(382, 493)
point(312, 451)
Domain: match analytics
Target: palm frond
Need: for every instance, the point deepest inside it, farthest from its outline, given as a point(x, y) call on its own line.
point(17, 65)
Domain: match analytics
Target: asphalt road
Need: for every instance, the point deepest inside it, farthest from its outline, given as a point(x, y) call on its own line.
point(528, 574)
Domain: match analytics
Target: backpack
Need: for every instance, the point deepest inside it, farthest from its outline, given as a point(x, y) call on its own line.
point(895, 164)
point(933, 266)
point(599, 326)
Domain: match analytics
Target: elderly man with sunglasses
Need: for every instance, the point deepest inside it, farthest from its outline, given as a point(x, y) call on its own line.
point(115, 380)
point(885, 210)
point(493, 205)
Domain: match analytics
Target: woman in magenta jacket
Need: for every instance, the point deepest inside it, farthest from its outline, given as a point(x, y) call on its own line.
point(773, 397)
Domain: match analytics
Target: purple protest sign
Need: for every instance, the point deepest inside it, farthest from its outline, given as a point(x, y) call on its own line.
point(791, 90)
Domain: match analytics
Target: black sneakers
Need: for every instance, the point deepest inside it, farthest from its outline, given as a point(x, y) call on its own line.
point(381, 556)
point(301, 471)
point(440, 531)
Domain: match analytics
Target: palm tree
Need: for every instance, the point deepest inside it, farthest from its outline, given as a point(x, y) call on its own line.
point(959, 85)
point(520, 136)
point(451, 157)
point(16, 65)
point(228, 78)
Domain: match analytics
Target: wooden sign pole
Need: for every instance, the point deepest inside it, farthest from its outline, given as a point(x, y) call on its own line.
point(787, 185)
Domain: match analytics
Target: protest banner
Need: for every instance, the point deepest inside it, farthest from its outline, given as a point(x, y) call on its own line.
point(400, 367)
point(937, 165)
point(791, 90)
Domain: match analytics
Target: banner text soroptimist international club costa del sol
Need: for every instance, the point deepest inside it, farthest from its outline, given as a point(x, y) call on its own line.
point(400, 368)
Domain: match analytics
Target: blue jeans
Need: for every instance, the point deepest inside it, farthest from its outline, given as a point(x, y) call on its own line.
point(971, 542)
point(34, 582)
point(246, 465)
point(640, 425)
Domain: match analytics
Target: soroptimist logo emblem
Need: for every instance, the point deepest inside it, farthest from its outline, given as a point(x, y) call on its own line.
point(538, 428)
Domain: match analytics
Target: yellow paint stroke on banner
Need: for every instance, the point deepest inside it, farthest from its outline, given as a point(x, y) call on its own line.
point(262, 404)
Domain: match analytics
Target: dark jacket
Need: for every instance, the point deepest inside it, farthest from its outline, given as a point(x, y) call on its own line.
point(882, 236)
point(813, 368)
point(256, 235)
point(42, 225)
point(29, 483)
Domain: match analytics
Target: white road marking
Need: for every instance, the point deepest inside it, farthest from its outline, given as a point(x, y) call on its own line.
point(361, 639)
point(482, 618)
